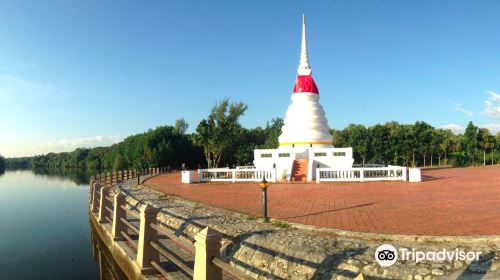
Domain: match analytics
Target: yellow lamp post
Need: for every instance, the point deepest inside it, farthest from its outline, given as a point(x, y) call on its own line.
point(263, 185)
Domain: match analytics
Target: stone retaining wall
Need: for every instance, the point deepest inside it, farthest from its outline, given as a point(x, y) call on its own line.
point(282, 251)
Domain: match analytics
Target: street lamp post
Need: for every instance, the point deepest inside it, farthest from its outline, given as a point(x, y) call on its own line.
point(263, 185)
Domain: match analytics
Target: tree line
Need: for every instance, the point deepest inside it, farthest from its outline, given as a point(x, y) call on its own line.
point(2, 164)
point(419, 144)
point(164, 146)
point(220, 140)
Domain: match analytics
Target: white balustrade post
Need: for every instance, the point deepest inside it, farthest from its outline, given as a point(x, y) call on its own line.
point(207, 245)
point(145, 252)
point(317, 176)
point(118, 213)
point(233, 174)
point(362, 174)
point(404, 174)
point(102, 204)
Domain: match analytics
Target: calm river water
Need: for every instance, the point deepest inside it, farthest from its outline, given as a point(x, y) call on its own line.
point(44, 227)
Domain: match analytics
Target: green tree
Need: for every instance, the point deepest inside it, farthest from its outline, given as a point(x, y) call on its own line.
point(471, 142)
point(216, 133)
point(272, 133)
point(2, 164)
point(423, 134)
point(485, 141)
point(445, 144)
point(181, 126)
point(357, 137)
point(402, 141)
point(379, 134)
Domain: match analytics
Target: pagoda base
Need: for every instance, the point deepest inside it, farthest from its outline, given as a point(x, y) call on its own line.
point(283, 160)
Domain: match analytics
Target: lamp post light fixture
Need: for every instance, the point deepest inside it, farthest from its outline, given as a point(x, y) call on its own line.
point(263, 185)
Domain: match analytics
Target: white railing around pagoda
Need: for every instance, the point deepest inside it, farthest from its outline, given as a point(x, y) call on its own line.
point(236, 175)
point(390, 173)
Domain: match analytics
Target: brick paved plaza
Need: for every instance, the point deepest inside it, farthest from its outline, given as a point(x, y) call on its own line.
point(452, 201)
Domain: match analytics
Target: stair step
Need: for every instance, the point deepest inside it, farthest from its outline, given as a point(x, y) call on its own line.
point(299, 170)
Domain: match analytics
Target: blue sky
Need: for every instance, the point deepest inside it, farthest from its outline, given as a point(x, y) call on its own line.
point(87, 73)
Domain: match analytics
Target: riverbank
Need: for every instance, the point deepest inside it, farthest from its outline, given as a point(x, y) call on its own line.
point(276, 251)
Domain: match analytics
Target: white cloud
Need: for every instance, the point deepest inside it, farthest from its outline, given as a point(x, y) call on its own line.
point(494, 96)
point(460, 108)
point(455, 128)
point(458, 129)
point(66, 145)
point(492, 106)
point(493, 128)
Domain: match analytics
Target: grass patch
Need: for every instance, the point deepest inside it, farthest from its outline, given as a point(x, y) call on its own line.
point(281, 224)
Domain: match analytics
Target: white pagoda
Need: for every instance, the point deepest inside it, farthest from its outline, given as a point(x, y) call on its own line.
point(305, 142)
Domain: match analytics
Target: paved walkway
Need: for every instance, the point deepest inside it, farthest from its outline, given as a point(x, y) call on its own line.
point(454, 201)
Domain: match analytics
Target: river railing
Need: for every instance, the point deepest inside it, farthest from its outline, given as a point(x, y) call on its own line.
point(108, 205)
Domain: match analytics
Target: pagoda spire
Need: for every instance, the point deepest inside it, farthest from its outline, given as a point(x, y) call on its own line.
point(304, 67)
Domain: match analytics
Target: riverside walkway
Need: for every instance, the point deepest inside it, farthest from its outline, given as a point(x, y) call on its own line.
point(451, 201)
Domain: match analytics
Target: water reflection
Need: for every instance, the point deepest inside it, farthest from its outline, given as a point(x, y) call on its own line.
point(108, 268)
point(77, 175)
point(44, 230)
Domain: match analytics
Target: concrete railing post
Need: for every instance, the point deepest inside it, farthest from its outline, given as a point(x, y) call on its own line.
point(207, 247)
point(118, 213)
point(95, 195)
point(145, 252)
point(91, 189)
point(102, 204)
